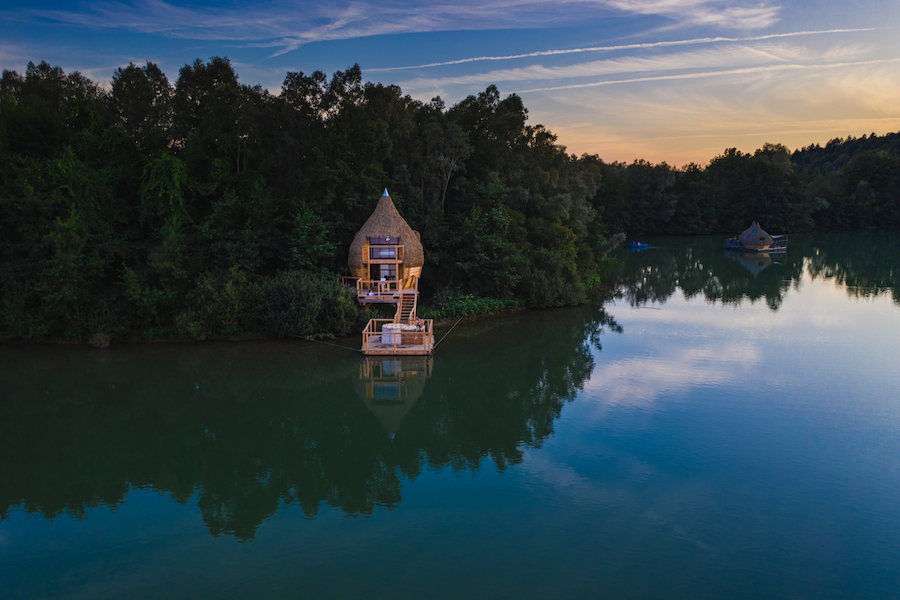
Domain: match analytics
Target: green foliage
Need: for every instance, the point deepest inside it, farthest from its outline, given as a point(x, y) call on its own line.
point(242, 228)
point(872, 186)
point(455, 305)
point(149, 302)
point(162, 192)
point(215, 307)
point(301, 304)
point(309, 245)
point(21, 315)
point(488, 260)
point(141, 99)
point(64, 283)
point(156, 209)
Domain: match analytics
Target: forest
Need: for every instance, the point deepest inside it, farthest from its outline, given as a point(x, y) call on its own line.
point(210, 208)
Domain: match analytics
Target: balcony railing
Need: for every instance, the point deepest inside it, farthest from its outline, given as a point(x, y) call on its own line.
point(372, 290)
point(376, 290)
point(382, 254)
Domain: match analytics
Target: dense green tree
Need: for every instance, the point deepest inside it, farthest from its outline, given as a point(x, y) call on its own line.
point(151, 209)
point(872, 186)
point(141, 99)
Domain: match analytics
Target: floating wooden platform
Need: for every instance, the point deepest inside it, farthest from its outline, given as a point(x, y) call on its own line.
point(389, 342)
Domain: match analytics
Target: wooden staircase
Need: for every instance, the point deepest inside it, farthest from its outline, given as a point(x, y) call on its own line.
point(405, 334)
point(406, 307)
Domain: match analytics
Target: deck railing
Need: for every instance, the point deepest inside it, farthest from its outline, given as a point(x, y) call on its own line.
point(399, 342)
point(371, 290)
point(382, 254)
point(375, 290)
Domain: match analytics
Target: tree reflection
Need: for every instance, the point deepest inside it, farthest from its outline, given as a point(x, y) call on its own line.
point(248, 428)
point(864, 263)
point(703, 268)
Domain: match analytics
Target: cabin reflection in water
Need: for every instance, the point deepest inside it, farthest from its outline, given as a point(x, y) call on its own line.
point(390, 386)
point(755, 263)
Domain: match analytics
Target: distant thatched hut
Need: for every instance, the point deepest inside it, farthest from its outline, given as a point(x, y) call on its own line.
point(755, 238)
point(386, 247)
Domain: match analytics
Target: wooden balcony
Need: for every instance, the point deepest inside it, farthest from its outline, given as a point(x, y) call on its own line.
point(372, 291)
point(384, 337)
point(373, 255)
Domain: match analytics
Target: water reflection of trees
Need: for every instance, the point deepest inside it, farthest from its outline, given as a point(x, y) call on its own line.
point(865, 263)
point(504, 388)
point(248, 428)
point(700, 267)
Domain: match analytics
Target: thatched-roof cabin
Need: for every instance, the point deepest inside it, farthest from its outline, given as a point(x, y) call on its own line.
point(386, 259)
point(755, 238)
point(386, 250)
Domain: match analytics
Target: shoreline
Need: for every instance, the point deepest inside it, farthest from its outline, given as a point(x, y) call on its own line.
point(242, 337)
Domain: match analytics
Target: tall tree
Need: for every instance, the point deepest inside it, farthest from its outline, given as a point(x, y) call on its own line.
point(141, 99)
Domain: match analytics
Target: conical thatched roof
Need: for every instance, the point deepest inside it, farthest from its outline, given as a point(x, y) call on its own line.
point(387, 222)
point(755, 237)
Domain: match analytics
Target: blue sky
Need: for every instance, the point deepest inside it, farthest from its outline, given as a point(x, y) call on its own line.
point(663, 80)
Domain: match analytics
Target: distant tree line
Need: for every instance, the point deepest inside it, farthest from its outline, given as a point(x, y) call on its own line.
point(210, 208)
point(848, 184)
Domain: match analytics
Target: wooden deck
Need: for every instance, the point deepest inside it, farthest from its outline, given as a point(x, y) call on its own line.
point(371, 291)
point(404, 343)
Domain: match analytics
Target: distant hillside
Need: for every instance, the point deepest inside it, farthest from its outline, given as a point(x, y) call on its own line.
point(815, 159)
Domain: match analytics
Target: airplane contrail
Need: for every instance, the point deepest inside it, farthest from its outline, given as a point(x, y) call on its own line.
point(709, 74)
point(621, 47)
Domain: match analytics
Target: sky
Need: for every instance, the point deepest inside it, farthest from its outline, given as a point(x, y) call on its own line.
point(677, 81)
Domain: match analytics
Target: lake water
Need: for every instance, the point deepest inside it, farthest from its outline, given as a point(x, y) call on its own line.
point(727, 427)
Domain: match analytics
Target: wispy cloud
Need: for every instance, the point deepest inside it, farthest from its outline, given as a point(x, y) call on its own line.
point(683, 120)
point(704, 12)
point(641, 382)
point(12, 54)
point(741, 71)
point(286, 25)
point(732, 56)
point(643, 46)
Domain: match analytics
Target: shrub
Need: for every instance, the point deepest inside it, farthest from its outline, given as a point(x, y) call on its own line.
point(455, 306)
point(301, 304)
point(214, 308)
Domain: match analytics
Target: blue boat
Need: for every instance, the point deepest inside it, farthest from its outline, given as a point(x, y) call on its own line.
point(637, 245)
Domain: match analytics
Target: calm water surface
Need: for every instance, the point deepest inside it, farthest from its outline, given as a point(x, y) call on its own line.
point(728, 426)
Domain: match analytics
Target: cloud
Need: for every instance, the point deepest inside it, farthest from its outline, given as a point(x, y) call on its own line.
point(288, 25)
point(643, 46)
point(722, 60)
point(682, 61)
point(641, 382)
point(739, 71)
point(11, 54)
point(703, 12)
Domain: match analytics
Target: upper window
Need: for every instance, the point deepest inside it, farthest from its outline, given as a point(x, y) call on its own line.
point(384, 241)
